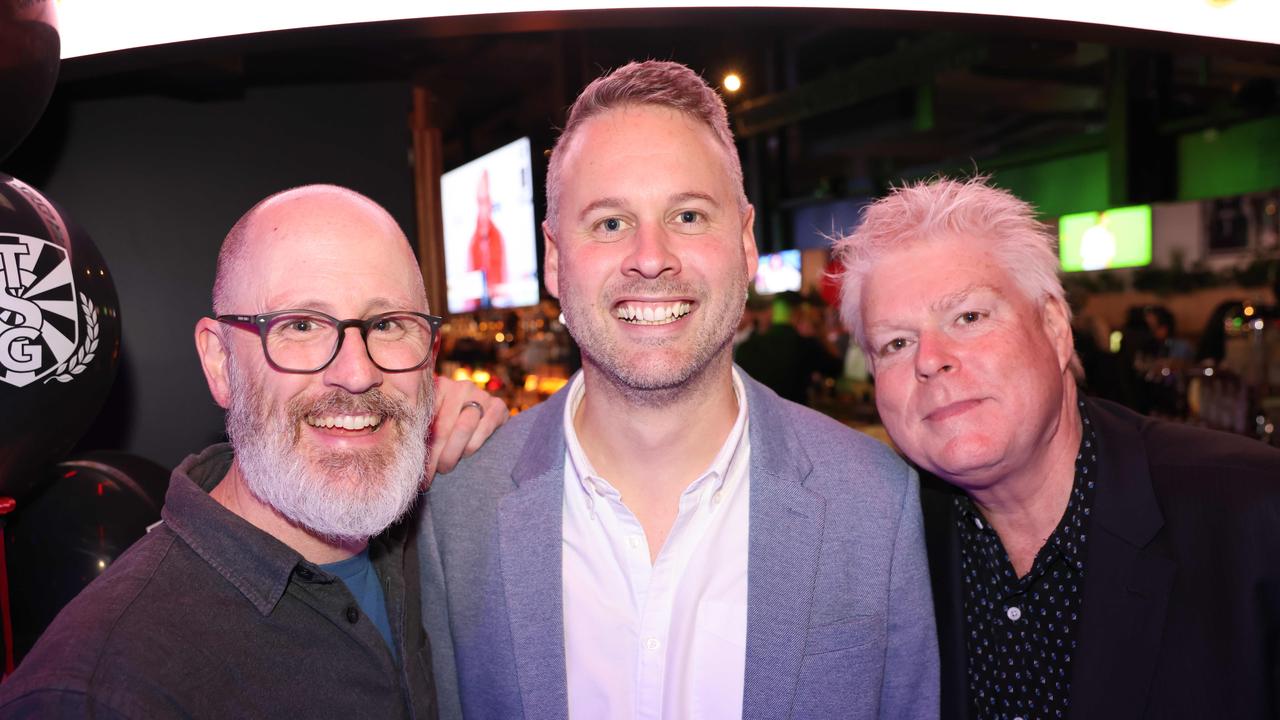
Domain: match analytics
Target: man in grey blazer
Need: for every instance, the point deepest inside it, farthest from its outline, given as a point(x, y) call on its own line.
point(665, 537)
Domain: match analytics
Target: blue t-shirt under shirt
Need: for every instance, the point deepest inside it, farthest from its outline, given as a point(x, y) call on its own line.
point(362, 580)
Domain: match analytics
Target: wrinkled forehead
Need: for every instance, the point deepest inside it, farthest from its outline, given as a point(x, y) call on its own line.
point(930, 273)
point(328, 250)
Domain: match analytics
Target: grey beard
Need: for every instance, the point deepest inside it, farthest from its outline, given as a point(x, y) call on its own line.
point(337, 496)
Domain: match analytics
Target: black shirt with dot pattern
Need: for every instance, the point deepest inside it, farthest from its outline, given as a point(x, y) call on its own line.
point(1021, 632)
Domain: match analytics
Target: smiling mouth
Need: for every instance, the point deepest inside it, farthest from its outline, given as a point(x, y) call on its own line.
point(652, 314)
point(350, 423)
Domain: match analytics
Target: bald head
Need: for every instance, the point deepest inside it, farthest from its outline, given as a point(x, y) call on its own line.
point(284, 233)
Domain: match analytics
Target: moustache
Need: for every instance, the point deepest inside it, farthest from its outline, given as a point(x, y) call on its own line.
point(658, 287)
point(337, 402)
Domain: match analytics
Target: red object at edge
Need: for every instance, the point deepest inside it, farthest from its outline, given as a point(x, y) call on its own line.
point(7, 505)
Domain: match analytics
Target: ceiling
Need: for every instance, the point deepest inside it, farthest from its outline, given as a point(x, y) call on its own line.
point(834, 102)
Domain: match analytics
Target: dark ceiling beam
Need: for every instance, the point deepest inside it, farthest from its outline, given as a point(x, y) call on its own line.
point(1008, 94)
point(908, 67)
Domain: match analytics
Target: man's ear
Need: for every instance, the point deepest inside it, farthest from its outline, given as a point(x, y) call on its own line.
point(551, 260)
point(749, 242)
point(214, 360)
point(1057, 327)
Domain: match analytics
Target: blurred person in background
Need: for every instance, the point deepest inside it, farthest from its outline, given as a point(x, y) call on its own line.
point(788, 354)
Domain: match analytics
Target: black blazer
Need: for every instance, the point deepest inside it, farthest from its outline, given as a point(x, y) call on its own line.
point(1181, 597)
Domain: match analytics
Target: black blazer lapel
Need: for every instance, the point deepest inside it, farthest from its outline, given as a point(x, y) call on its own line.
point(1127, 579)
point(942, 542)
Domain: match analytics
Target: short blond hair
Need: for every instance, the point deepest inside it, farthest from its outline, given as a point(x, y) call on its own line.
point(651, 82)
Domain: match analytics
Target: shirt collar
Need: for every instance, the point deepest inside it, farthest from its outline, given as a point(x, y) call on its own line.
point(257, 564)
point(730, 455)
point(254, 562)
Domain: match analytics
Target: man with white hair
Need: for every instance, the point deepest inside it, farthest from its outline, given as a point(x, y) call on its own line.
point(1087, 562)
point(280, 583)
point(666, 537)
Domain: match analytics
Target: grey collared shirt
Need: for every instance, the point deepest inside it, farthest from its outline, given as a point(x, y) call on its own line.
point(208, 616)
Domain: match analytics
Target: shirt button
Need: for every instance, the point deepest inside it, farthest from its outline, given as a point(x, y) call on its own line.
point(715, 498)
point(1014, 613)
point(634, 541)
point(353, 614)
point(651, 644)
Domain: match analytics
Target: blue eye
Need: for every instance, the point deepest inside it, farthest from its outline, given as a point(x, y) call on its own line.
point(611, 224)
point(689, 216)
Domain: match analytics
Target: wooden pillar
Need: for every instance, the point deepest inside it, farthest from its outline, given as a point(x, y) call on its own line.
point(427, 167)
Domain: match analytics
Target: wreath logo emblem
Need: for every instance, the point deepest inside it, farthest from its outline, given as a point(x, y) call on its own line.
point(48, 330)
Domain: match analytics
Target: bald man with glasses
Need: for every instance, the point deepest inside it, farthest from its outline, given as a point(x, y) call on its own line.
point(280, 583)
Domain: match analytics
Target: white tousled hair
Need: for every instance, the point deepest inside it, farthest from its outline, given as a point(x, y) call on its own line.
point(943, 208)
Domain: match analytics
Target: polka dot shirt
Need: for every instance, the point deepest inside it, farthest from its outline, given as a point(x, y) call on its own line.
point(1021, 632)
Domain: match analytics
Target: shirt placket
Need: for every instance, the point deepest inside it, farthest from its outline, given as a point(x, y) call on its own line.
point(658, 602)
point(329, 597)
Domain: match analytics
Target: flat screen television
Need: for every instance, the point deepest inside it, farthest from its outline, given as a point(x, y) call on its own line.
point(1115, 238)
point(490, 236)
point(778, 272)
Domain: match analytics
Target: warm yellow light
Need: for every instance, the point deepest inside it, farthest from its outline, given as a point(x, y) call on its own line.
point(461, 375)
point(531, 383)
point(548, 386)
point(500, 337)
point(732, 82)
point(1248, 310)
point(480, 377)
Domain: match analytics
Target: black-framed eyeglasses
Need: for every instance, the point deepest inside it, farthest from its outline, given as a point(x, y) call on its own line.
point(306, 341)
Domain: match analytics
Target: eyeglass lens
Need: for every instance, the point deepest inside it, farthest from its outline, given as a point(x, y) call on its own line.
point(304, 342)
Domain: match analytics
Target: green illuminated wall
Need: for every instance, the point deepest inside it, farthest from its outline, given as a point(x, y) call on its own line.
point(1234, 160)
point(1238, 159)
point(1075, 183)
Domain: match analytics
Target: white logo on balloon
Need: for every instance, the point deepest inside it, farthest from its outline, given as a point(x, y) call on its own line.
point(40, 329)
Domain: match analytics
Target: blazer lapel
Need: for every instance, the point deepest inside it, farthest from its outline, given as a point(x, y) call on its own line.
point(1127, 580)
point(529, 524)
point(785, 543)
point(943, 544)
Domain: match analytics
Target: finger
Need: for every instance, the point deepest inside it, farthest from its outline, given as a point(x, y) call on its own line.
point(446, 413)
point(453, 447)
point(495, 414)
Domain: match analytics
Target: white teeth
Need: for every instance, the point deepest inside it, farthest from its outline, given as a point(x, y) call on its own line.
point(653, 315)
point(346, 422)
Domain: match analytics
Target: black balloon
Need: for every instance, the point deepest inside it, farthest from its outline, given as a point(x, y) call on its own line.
point(59, 334)
point(29, 55)
point(90, 511)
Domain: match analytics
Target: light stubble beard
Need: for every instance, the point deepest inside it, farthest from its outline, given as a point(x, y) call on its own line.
point(658, 382)
point(339, 496)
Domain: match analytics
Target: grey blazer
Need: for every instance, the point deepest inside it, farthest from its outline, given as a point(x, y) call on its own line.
point(839, 612)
